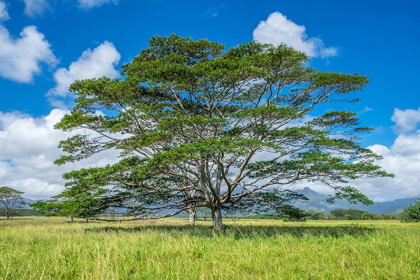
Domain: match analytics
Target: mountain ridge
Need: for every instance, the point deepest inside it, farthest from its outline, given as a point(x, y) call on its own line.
point(318, 202)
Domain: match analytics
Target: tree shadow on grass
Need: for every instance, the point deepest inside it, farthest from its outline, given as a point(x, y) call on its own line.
point(245, 231)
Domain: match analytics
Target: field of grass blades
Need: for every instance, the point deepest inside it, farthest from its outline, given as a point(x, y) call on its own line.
point(53, 248)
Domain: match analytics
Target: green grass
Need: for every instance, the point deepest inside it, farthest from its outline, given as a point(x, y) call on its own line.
point(53, 248)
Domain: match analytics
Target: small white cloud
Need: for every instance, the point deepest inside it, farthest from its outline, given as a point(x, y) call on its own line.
point(405, 120)
point(21, 58)
point(88, 4)
point(4, 15)
point(35, 7)
point(213, 11)
point(91, 64)
point(365, 110)
point(277, 29)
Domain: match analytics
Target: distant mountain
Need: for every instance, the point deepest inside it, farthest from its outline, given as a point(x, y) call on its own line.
point(319, 202)
point(27, 202)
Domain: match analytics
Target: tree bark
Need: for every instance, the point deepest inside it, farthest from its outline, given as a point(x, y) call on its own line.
point(191, 215)
point(71, 219)
point(216, 215)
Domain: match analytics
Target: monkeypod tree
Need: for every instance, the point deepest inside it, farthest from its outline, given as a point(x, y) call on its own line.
point(10, 200)
point(200, 126)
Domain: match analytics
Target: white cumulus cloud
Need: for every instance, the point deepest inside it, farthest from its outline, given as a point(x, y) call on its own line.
point(278, 29)
point(95, 63)
point(21, 58)
point(88, 4)
point(406, 120)
point(4, 15)
point(28, 148)
point(402, 159)
point(35, 7)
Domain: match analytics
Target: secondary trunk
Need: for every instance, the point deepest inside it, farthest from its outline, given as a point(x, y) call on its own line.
point(216, 215)
point(191, 215)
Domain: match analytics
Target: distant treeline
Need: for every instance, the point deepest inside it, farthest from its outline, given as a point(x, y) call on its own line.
point(337, 214)
point(18, 212)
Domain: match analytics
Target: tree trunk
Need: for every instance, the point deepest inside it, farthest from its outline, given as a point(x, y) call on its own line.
point(216, 215)
point(191, 215)
point(87, 221)
point(7, 216)
point(71, 219)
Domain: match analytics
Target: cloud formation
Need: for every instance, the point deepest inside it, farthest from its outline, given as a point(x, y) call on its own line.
point(4, 15)
point(402, 159)
point(28, 150)
point(35, 7)
point(405, 120)
point(95, 63)
point(88, 4)
point(278, 29)
point(21, 58)
point(213, 11)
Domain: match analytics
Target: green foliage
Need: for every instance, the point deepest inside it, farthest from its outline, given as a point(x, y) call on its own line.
point(412, 213)
point(354, 214)
point(273, 201)
point(200, 126)
point(367, 216)
point(347, 214)
point(314, 215)
point(79, 203)
point(10, 201)
point(293, 214)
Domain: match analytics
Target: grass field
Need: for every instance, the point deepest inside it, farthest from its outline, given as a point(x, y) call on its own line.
point(53, 248)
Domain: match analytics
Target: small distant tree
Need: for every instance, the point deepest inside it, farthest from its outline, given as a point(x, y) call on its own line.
point(367, 216)
point(338, 213)
point(10, 200)
point(204, 213)
point(329, 217)
point(315, 215)
point(291, 213)
point(347, 214)
point(412, 213)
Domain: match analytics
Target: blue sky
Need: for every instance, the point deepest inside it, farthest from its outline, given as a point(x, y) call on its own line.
point(44, 44)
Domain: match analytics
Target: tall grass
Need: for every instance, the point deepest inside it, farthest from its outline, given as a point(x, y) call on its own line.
point(52, 248)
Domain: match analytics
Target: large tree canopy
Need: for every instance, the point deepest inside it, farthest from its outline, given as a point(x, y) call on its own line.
point(198, 126)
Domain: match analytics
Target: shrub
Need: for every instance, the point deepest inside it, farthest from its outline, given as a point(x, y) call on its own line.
point(412, 213)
